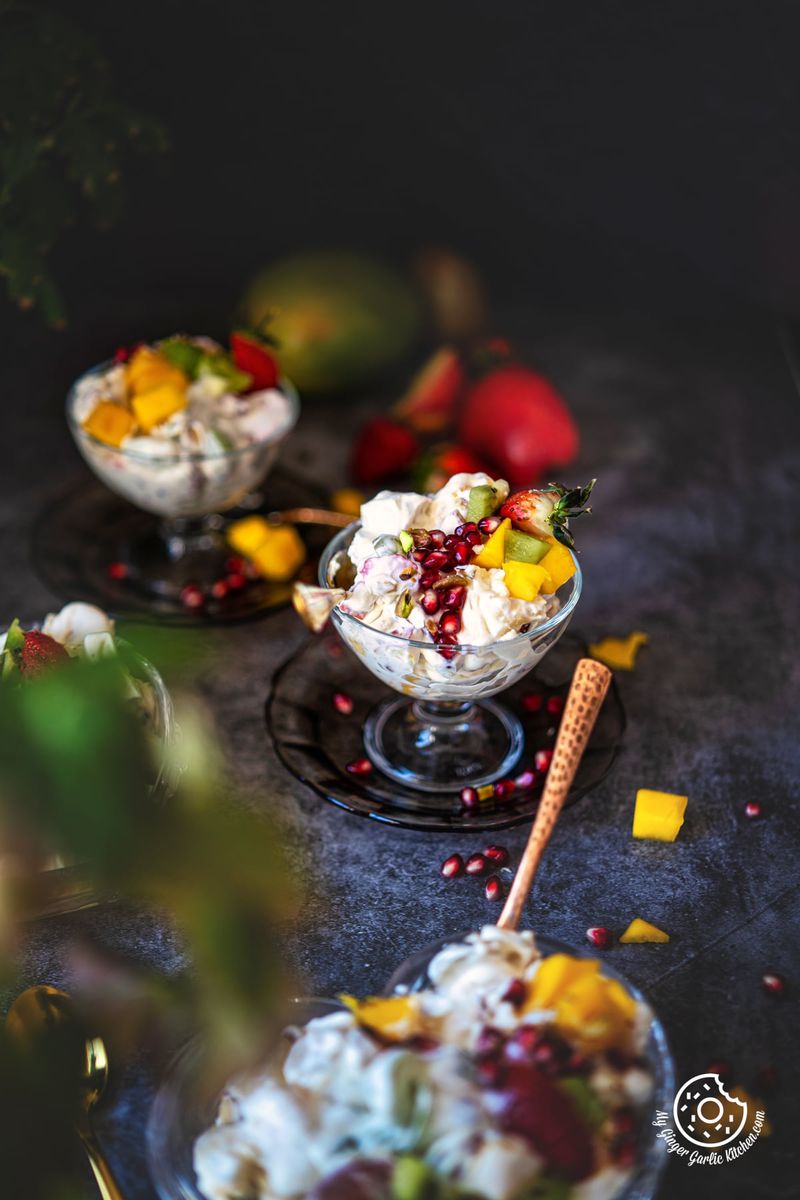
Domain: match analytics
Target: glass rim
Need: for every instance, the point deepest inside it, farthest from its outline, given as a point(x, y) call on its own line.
point(285, 387)
point(563, 614)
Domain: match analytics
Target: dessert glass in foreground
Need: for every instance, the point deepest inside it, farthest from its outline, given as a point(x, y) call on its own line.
point(431, 602)
point(499, 1067)
point(179, 430)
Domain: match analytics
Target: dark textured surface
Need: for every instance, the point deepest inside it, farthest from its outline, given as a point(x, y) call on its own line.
point(694, 437)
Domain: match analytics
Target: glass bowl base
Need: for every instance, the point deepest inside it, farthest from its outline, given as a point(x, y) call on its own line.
point(443, 747)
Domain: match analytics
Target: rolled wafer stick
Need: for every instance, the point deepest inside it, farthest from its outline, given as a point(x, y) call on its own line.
point(586, 695)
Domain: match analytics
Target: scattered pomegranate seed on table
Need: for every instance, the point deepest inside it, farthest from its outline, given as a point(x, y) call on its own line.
point(504, 789)
point(219, 589)
point(532, 701)
point(118, 570)
point(452, 866)
point(497, 855)
point(542, 759)
point(526, 779)
point(773, 983)
point(493, 889)
point(469, 798)
point(236, 581)
point(235, 565)
point(360, 766)
point(600, 937)
point(516, 992)
point(753, 810)
point(191, 596)
point(476, 865)
point(343, 703)
point(555, 705)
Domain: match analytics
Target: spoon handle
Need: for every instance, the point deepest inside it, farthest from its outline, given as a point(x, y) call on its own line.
point(586, 695)
point(106, 1183)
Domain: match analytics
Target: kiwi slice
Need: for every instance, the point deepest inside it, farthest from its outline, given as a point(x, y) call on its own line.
point(521, 547)
point(481, 502)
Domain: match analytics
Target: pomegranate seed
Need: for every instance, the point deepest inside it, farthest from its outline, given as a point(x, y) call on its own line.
point(600, 937)
point(343, 703)
point(118, 570)
point(532, 701)
point(452, 866)
point(236, 581)
point(192, 596)
point(516, 992)
point(469, 798)
point(473, 538)
point(121, 355)
point(430, 602)
point(555, 705)
point(219, 589)
point(771, 982)
point(497, 854)
point(436, 538)
point(768, 1079)
point(523, 1043)
point(488, 525)
point(450, 541)
point(493, 889)
point(428, 578)
point(753, 810)
point(526, 779)
point(542, 759)
point(450, 622)
point(419, 555)
point(504, 789)
point(489, 1042)
point(446, 644)
point(467, 527)
point(719, 1066)
point(235, 565)
point(437, 559)
point(454, 597)
point(360, 766)
point(476, 865)
point(462, 552)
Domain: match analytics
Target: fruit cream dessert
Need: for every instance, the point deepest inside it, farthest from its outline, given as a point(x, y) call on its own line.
point(78, 631)
point(470, 566)
point(511, 1076)
point(182, 427)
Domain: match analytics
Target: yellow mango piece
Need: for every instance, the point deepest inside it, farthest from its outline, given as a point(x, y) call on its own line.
point(619, 653)
point(595, 1011)
point(348, 501)
point(245, 536)
point(394, 1018)
point(559, 565)
point(280, 556)
point(555, 975)
point(147, 370)
point(642, 931)
point(525, 580)
point(658, 815)
point(109, 423)
point(154, 407)
point(493, 552)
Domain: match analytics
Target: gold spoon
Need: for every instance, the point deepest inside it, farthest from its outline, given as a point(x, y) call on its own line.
point(35, 1014)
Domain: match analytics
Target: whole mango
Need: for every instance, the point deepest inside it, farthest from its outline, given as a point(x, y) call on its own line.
point(338, 319)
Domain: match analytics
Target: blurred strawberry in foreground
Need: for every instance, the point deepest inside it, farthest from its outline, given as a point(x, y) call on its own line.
point(429, 405)
point(252, 354)
point(40, 652)
point(383, 448)
point(514, 418)
point(436, 465)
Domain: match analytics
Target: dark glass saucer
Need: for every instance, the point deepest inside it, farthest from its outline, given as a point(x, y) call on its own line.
point(315, 742)
point(81, 532)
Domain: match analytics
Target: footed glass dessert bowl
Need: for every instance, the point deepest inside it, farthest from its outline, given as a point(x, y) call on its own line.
point(444, 732)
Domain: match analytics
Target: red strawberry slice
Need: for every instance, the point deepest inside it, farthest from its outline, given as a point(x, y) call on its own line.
point(40, 653)
point(516, 419)
point(383, 448)
point(251, 355)
point(429, 404)
point(533, 1106)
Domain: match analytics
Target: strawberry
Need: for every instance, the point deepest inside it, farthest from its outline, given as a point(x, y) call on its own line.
point(40, 652)
point(534, 1107)
point(429, 404)
point(515, 418)
point(434, 467)
point(547, 513)
point(251, 355)
point(383, 448)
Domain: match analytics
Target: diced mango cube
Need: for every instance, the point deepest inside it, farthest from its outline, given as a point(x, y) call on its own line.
point(348, 501)
point(555, 975)
point(246, 535)
point(525, 580)
point(619, 653)
point(493, 553)
point(642, 931)
point(109, 423)
point(148, 370)
point(394, 1018)
point(596, 1011)
point(658, 815)
point(154, 407)
point(280, 556)
point(559, 565)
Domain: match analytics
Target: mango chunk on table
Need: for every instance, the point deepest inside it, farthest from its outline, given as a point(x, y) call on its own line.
point(658, 815)
point(640, 931)
point(619, 653)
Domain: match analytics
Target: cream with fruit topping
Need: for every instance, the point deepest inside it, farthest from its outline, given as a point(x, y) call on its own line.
point(179, 429)
point(447, 571)
point(510, 1076)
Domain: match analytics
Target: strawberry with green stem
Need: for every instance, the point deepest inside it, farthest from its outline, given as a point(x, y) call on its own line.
point(547, 512)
